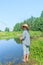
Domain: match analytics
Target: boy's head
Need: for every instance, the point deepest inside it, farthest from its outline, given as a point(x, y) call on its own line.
point(25, 27)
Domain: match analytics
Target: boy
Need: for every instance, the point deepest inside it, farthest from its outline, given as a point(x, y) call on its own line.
point(25, 38)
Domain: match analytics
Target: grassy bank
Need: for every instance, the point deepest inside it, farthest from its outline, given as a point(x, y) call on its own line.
point(36, 48)
point(8, 35)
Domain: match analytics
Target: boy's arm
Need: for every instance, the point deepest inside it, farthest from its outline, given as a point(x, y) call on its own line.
point(23, 36)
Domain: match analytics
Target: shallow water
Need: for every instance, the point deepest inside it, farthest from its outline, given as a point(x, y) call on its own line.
point(10, 51)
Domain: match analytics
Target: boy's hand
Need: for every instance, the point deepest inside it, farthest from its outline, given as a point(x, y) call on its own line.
point(20, 38)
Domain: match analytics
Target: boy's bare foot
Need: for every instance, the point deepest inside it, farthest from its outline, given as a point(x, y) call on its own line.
point(24, 60)
point(27, 60)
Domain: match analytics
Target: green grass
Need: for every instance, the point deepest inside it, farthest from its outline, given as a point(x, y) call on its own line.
point(36, 50)
point(8, 35)
point(35, 33)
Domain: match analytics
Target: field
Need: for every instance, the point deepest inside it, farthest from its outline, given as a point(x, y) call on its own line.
point(36, 48)
point(8, 35)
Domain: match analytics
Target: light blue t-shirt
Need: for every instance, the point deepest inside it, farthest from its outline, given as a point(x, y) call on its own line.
point(26, 38)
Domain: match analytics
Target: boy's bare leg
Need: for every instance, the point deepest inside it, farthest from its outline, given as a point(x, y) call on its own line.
point(24, 59)
point(27, 58)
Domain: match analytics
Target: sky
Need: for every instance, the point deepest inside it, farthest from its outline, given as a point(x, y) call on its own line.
point(15, 11)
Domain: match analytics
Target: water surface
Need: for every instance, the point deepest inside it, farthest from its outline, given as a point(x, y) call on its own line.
point(10, 51)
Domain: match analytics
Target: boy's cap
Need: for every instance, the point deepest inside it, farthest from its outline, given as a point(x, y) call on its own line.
point(25, 25)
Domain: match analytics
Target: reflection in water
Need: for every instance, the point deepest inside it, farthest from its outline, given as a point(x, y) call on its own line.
point(17, 40)
point(10, 51)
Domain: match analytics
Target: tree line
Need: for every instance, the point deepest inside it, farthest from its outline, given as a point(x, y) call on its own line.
point(35, 24)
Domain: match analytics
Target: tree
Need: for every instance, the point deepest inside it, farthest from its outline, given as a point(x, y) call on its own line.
point(34, 23)
point(7, 29)
point(0, 30)
point(42, 14)
point(41, 24)
point(16, 27)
